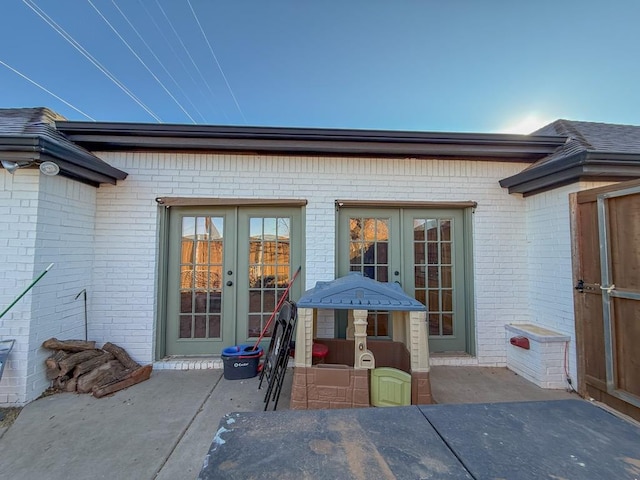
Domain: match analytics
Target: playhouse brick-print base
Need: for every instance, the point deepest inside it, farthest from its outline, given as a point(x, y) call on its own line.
point(329, 386)
point(311, 390)
point(421, 389)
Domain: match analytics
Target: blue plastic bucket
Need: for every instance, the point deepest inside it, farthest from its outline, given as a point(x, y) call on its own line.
point(241, 361)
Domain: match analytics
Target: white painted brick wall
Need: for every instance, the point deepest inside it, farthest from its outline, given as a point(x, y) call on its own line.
point(18, 214)
point(105, 240)
point(43, 220)
point(550, 282)
point(65, 236)
point(123, 310)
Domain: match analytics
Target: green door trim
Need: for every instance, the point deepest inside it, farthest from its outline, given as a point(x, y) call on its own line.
point(298, 215)
point(467, 281)
point(244, 214)
point(162, 266)
point(457, 340)
point(174, 343)
point(394, 259)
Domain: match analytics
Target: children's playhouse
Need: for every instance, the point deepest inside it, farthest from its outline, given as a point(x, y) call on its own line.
point(357, 371)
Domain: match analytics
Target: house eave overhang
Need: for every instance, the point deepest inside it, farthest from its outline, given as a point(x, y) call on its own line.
point(586, 165)
point(323, 142)
point(75, 164)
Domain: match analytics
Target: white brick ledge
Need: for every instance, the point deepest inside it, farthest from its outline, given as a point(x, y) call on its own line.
point(436, 359)
point(534, 332)
point(543, 362)
point(189, 363)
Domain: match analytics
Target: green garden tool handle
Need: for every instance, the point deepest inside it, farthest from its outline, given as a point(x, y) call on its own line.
point(26, 290)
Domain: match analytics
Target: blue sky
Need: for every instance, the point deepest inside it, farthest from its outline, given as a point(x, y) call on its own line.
point(454, 65)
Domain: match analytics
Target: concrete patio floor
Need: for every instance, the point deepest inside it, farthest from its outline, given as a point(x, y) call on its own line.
point(487, 385)
point(163, 428)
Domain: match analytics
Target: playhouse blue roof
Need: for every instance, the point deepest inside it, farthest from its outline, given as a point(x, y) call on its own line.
point(356, 292)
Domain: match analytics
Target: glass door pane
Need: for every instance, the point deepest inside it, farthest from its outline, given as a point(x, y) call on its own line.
point(368, 254)
point(269, 252)
point(369, 247)
point(202, 252)
point(433, 272)
point(200, 286)
point(435, 256)
point(369, 243)
point(269, 264)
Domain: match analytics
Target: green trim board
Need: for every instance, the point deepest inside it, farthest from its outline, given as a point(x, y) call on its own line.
point(217, 281)
point(161, 283)
point(429, 252)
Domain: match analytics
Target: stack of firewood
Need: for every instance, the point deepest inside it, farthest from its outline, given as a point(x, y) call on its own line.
point(78, 366)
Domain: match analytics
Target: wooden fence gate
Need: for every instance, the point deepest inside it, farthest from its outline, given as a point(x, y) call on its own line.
point(606, 251)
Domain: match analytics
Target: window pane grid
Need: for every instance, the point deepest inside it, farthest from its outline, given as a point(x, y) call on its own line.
point(201, 277)
point(369, 255)
point(433, 267)
point(269, 268)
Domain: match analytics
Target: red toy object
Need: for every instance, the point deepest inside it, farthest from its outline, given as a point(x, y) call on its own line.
point(319, 352)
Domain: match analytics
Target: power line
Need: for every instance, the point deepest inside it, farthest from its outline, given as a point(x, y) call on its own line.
point(158, 60)
point(141, 61)
point(48, 91)
point(178, 57)
point(88, 56)
point(185, 49)
point(217, 63)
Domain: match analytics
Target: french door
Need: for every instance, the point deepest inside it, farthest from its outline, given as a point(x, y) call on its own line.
point(227, 269)
point(424, 251)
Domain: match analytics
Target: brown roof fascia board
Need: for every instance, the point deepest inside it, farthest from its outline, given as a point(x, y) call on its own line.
point(127, 136)
point(83, 160)
point(542, 184)
point(545, 169)
point(582, 166)
point(74, 163)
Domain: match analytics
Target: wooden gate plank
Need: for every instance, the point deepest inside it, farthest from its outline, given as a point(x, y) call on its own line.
point(589, 303)
point(623, 254)
point(624, 218)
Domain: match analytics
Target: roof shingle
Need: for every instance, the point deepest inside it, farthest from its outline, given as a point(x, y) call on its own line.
point(592, 150)
point(595, 136)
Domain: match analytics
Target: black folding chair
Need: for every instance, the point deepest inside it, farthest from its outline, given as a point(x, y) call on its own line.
point(274, 367)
